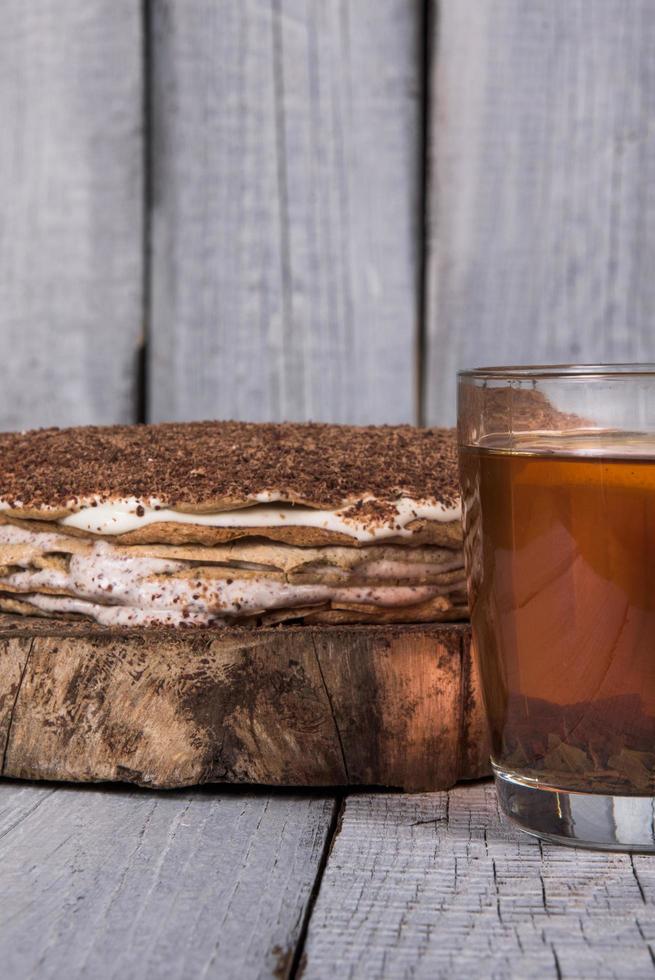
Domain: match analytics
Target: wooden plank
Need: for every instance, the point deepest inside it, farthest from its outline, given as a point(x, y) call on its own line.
point(290, 706)
point(542, 177)
point(132, 884)
point(70, 210)
point(437, 886)
point(286, 221)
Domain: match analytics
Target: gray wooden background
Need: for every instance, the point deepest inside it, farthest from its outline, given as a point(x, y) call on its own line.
point(267, 209)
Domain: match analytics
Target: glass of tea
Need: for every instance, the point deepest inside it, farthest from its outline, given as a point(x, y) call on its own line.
point(557, 469)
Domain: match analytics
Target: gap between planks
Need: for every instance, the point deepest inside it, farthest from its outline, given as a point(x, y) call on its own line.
point(298, 961)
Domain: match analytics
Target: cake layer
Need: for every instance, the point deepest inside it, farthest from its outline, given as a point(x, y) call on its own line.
point(417, 532)
point(58, 574)
point(217, 522)
point(119, 517)
point(206, 467)
point(410, 502)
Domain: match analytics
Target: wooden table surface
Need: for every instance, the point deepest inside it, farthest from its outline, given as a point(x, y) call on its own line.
point(116, 882)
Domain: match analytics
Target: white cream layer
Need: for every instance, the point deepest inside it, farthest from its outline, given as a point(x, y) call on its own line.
point(129, 514)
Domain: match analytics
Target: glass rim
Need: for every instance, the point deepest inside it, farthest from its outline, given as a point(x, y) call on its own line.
point(522, 372)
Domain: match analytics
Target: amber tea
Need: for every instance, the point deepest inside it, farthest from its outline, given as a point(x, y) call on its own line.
point(560, 539)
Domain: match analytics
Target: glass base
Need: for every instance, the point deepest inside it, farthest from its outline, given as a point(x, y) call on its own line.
point(593, 820)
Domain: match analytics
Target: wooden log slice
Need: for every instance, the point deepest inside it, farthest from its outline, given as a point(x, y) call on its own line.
point(396, 706)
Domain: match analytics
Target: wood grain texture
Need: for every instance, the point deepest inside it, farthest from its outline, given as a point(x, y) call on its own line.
point(542, 186)
point(121, 884)
point(406, 706)
point(436, 886)
point(70, 211)
point(15, 652)
point(286, 224)
point(289, 706)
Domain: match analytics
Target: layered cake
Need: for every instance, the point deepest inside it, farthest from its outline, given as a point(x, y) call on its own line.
point(227, 522)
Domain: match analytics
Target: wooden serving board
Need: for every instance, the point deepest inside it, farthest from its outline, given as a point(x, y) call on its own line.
point(396, 706)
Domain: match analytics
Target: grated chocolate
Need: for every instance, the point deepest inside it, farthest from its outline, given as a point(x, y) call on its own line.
point(190, 464)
